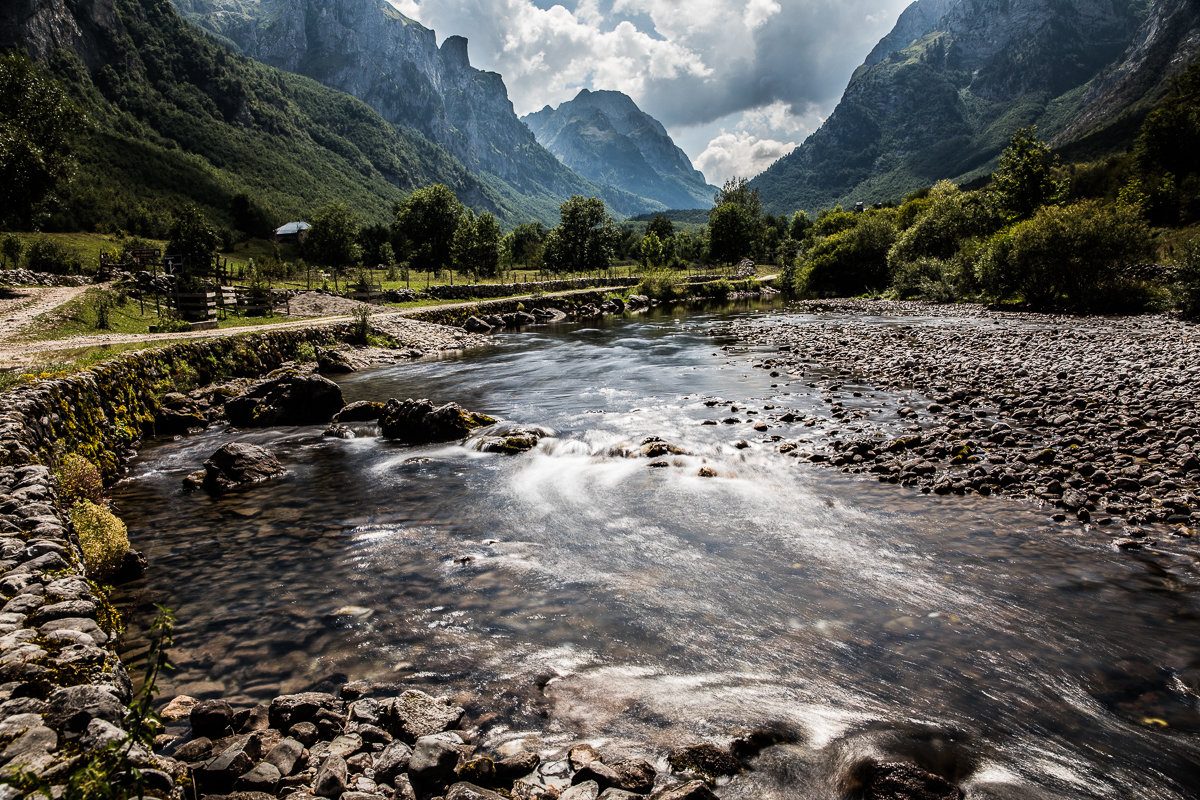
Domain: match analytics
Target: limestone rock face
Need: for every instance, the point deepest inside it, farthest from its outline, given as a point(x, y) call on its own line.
point(926, 102)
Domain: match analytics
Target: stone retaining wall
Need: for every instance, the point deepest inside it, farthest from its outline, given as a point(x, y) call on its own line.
point(484, 290)
point(62, 689)
point(459, 314)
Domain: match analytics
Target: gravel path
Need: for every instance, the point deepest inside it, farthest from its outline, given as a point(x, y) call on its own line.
point(21, 306)
point(1097, 418)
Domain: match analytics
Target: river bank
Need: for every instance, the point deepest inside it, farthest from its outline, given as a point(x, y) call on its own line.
point(1095, 418)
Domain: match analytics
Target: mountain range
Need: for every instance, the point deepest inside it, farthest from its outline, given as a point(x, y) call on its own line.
point(941, 94)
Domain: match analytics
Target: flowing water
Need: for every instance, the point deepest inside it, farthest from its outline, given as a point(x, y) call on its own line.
point(571, 591)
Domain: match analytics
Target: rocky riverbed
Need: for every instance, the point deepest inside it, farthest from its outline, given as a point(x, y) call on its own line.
point(1094, 417)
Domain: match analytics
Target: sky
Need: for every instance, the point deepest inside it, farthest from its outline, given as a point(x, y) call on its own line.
point(737, 84)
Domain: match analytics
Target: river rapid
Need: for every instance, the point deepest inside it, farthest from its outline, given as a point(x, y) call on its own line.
point(573, 592)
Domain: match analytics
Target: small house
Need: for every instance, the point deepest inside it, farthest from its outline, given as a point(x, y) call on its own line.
point(293, 232)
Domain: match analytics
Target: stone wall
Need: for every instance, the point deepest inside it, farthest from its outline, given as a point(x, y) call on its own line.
point(485, 290)
point(62, 689)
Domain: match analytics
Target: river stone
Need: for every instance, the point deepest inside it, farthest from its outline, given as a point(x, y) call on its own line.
point(434, 760)
point(32, 748)
point(415, 714)
point(692, 790)
point(603, 775)
point(511, 441)
point(392, 761)
point(179, 708)
point(212, 719)
point(903, 781)
point(588, 790)
point(194, 751)
point(360, 411)
point(336, 362)
point(704, 759)
point(418, 422)
point(614, 793)
point(262, 778)
point(635, 775)
point(291, 398)
point(516, 766)
point(286, 710)
point(285, 755)
point(238, 464)
point(71, 709)
point(331, 778)
point(469, 791)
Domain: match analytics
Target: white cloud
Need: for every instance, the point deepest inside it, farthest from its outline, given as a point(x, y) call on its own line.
point(740, 154)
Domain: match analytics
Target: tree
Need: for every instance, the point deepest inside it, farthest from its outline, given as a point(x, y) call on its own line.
point(250, 216)
point(193, 239)
point(800, 226)
point(525, 246)
point(476, 245)
point(1024, 181)
point(731, 232)
point(423, 230)
point(37, 126)
point(850, 261)
point(585, 238)
point(661, 227)
point(332, 240)
point(12, 247)
point(737, 191)
point(652, 250)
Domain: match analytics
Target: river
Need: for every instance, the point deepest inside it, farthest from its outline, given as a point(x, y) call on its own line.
point(573, 592)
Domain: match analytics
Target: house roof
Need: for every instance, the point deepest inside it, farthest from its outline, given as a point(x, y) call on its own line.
point(292, 227)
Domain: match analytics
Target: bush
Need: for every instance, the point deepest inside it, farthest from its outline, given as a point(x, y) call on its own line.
point(1186, 286)
point(658, 284)
point(951, 217)
point(851, 261)
point(306, 353)
point(1072, 257)
point(79, 479)
point(102, 538)
point(44, 255)
point(360, 327)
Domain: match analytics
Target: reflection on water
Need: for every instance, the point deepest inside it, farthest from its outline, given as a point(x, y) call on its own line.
point(574, 590)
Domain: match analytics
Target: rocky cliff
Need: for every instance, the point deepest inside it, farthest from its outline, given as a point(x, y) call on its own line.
point(605, 137)
point(368, 49)
point(941, 94)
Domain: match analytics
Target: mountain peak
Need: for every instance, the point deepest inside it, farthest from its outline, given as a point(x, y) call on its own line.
point(603, 135)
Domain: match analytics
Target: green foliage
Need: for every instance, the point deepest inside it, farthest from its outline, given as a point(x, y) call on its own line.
point(1186, 284)
point(11, 248)
point(332, 240)
point(1165, 158)
point(424, 226)
point(731, 233)
point(800, 226)
point(851, 261)
point(1025, 179)
point(737, 191)
point(1068, 257)
point(79, 479)
point(102, 538)
point(661, 226)
point(652, 251)
point(525, 245)
point(950, 217)
point(833, 220)
point(103, 303)
point(47, 255)
point(193, 238)
point(360, 325)
point(306, 353)
point(585, 238)
point(475, 248)
point(658, 284)
point(38, 125)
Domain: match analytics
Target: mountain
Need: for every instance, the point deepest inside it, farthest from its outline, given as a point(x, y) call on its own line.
point(940, 96)
point(173, 117)
point(368, 49)
point(604, 136)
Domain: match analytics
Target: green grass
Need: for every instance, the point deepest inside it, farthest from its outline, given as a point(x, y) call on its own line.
point(87, 247)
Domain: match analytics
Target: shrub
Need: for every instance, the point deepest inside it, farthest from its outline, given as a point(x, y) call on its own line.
point(102, 538)
point(306, 353)
point(658, 284)
point(44, 255)
point(79, 479)
point(851, 261)
point(1069, 256)
point(1186, 286)
point(360, 327)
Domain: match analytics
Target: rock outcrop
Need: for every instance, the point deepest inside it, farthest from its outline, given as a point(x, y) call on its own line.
point(419, 422)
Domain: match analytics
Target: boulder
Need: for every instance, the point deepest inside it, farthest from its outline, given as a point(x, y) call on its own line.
point(415, 714)
point(511, 440)
point(476, 325)
point(360, 411)
point(289, 398)
point(903, 781)
point(434, 760)
point(418, 422)
point(212, 719)
point(336, 362)
point(692, 790)
point(704, 760)
point(238, 464)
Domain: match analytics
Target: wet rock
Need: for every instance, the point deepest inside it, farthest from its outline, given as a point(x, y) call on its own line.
point(588, 790)
point(337, 362)
point(476, 325)
point(238, 464)
point(291, 398)
point(177, 422)
point(392, 761)
point(434, 760)
point(469, 791)
point(581, 755)
point(634, 775)
point(705, 760)
point(415, 714)
point(904, 781)
point(693, 790)
point(212, 719)
point(418, 422)
point(597, 771)
point(511, 441)
point(289, 709)
point(360, 411)
point(516, 766)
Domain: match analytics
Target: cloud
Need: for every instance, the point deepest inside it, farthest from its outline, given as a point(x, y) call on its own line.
point(740, 154)
point(684, 62)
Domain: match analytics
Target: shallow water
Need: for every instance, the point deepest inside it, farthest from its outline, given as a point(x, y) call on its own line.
point(577, 592)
